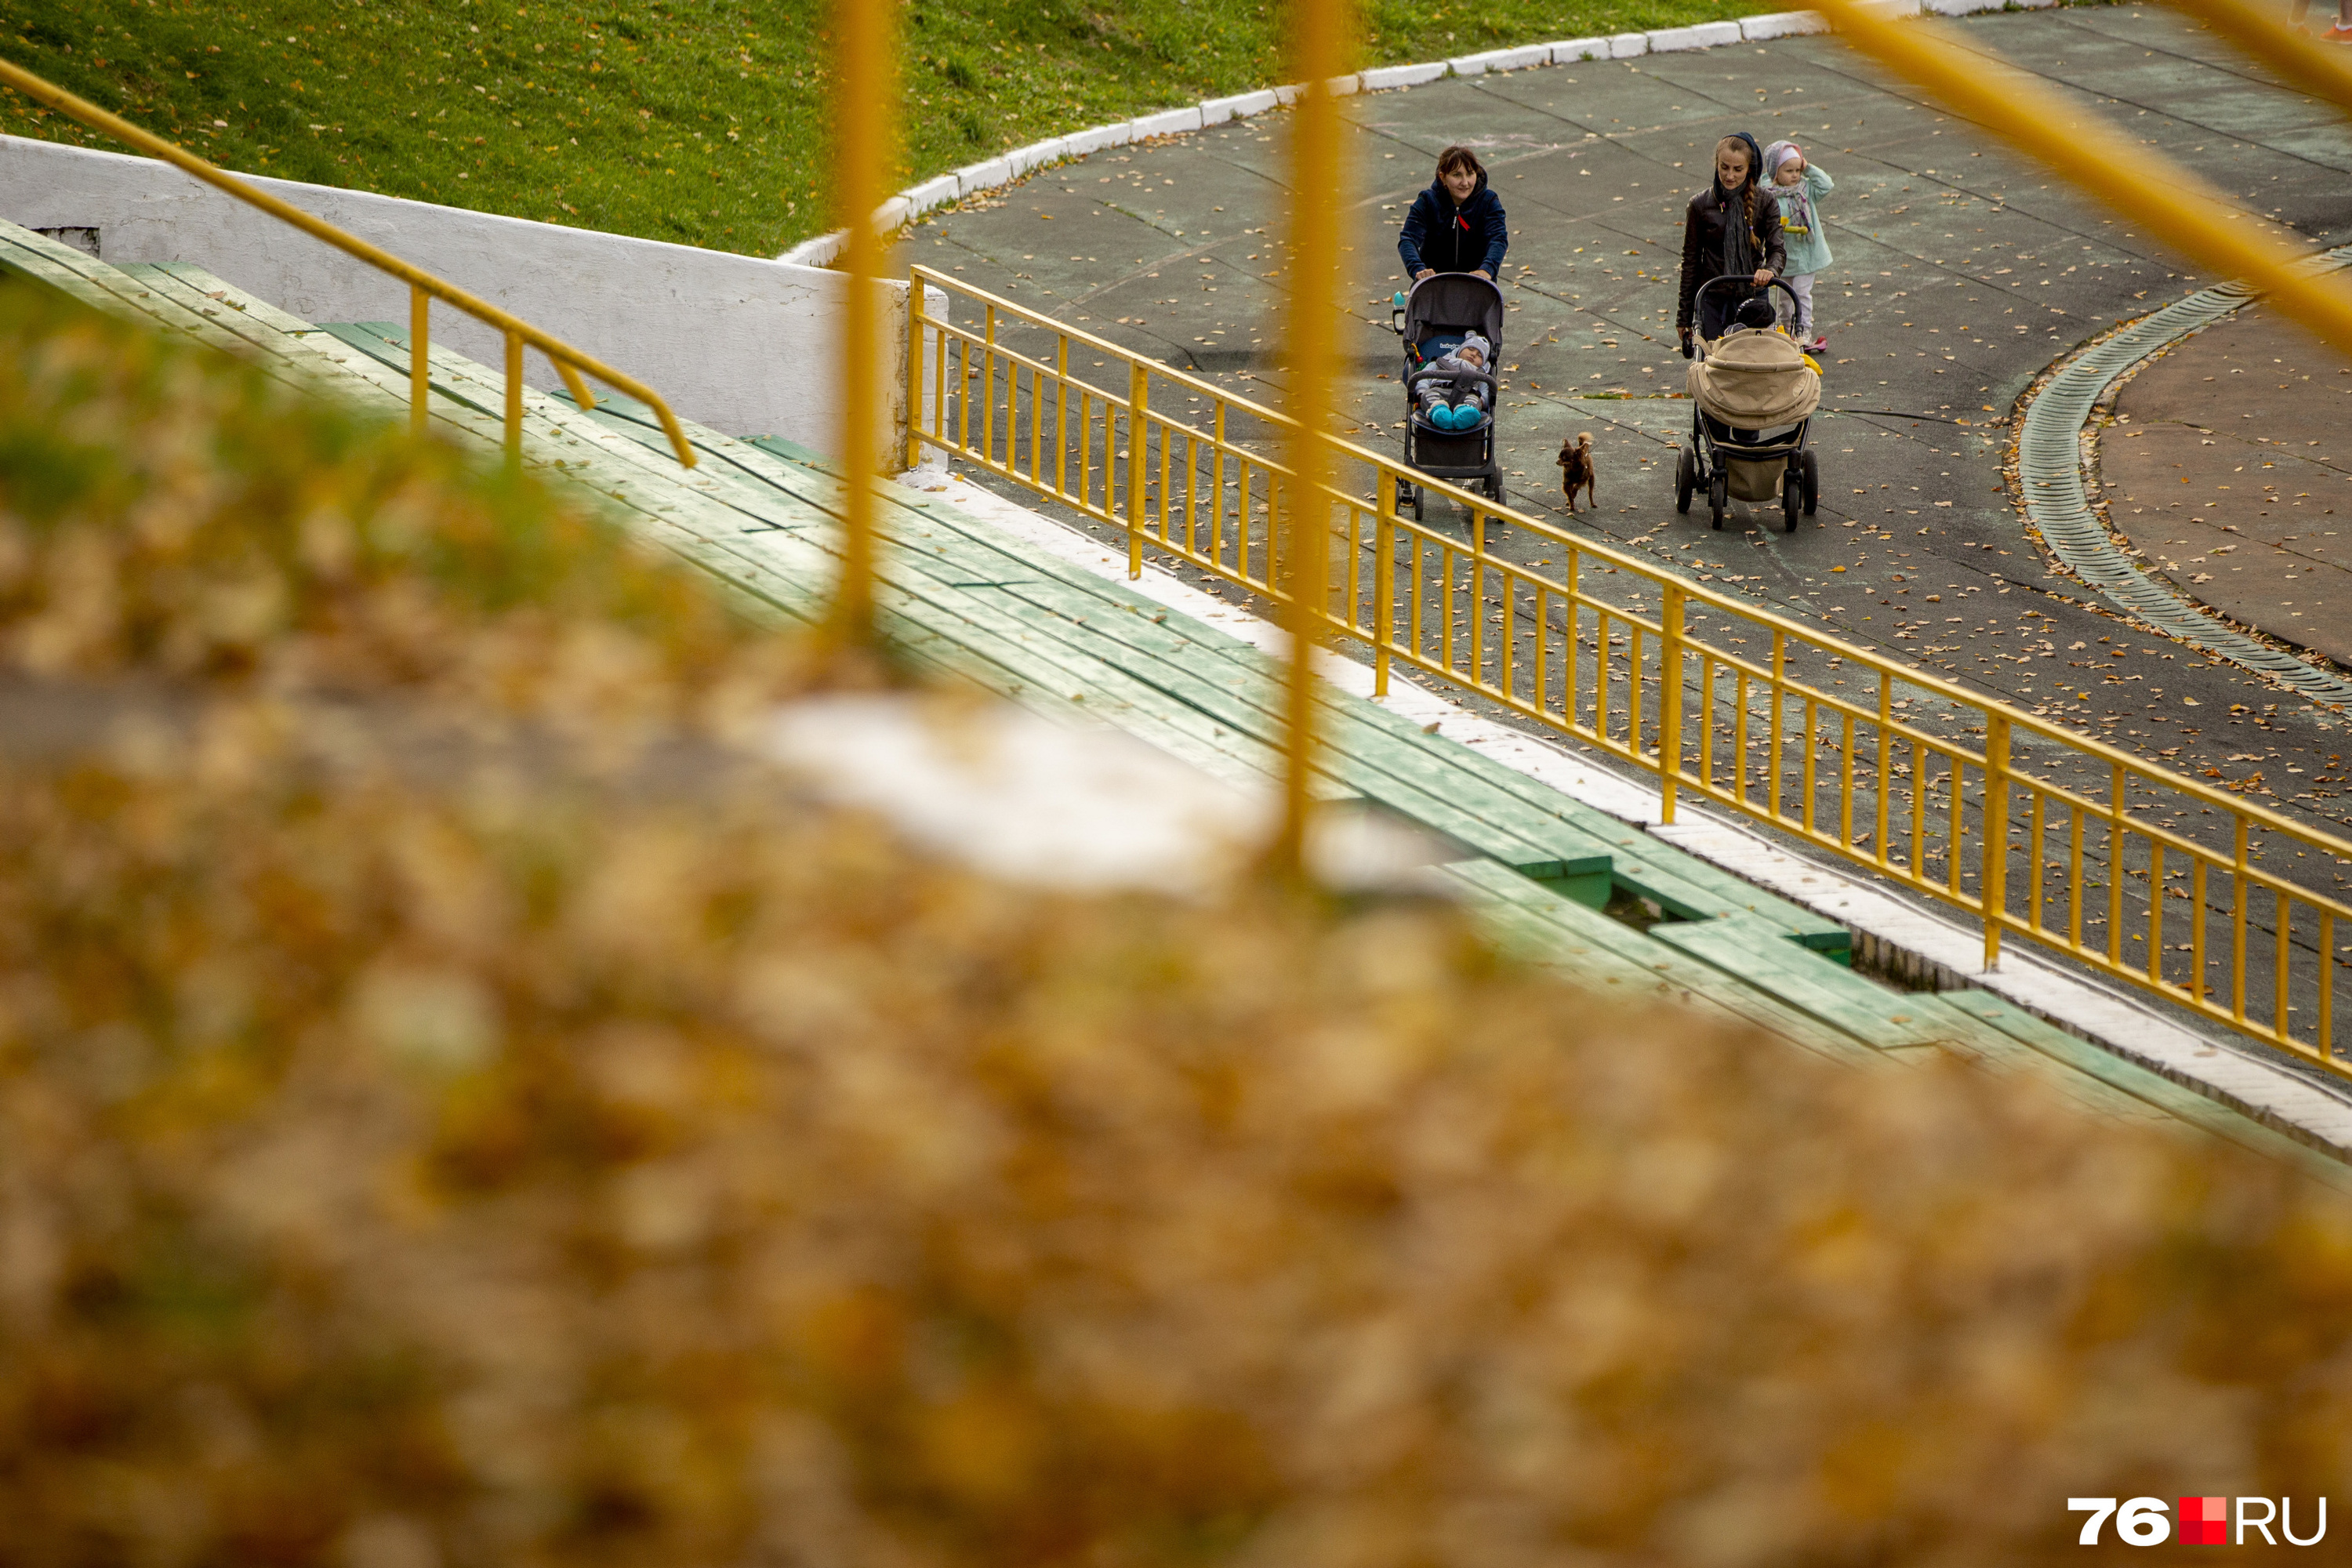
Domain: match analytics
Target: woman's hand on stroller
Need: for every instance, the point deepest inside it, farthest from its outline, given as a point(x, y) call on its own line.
point(1424, 272)
point(1685, 333)
point(1763, 276)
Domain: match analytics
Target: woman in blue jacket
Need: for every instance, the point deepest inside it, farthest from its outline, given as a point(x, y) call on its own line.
point(1456, 224)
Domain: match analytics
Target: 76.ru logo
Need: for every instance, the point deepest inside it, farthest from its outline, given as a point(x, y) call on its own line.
point(2204, 1520)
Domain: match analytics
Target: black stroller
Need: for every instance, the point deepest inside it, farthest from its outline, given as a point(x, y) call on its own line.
point(1753, 395)
point(1433, 320)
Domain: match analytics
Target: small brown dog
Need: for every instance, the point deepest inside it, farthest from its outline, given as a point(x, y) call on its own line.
point(1576, 470)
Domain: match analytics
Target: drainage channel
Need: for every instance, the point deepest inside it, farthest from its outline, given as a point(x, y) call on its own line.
point(2050, 465)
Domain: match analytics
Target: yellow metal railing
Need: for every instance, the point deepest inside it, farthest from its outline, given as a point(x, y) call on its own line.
point(2185, 889)
point(424, 288)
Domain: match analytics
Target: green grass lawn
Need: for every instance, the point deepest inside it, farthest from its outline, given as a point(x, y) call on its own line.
point(702, 122)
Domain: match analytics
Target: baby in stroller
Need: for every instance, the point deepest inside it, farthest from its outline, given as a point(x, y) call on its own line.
point(1457, 404)
point(1451, 327)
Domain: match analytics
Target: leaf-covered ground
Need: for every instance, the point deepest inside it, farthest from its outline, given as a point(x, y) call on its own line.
point(700, 121)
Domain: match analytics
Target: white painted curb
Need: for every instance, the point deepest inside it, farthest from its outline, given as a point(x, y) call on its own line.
point(994, 173)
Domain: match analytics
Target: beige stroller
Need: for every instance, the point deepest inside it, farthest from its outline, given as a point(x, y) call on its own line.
point(1753, 395)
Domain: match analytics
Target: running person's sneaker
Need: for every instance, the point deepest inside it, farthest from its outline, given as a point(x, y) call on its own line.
point(1817, 345)
point(2339, 33)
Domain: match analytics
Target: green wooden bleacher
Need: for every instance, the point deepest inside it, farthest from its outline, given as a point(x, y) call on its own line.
point(967, 602)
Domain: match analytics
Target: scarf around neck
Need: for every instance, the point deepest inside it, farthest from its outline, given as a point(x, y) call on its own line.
point(1739, 249)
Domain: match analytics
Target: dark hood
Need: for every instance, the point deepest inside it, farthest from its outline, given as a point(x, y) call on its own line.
point(1755, 167)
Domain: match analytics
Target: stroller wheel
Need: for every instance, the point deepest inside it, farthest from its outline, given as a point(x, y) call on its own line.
point(1685, 480)
point(1792, 501)
point(1494, 491)
point(1403, 494)
point(1718, 494)
point(1416, 503)
point(1812, 479)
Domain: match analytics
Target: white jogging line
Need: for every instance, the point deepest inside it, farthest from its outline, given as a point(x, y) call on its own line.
point(2246, 1077)
point(1008, 168)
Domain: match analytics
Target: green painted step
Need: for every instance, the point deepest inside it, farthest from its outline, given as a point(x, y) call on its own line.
point(261, 331)
point(1851, 1003)
point(160, 299)
point(1166, 649)
point(726, 510)
point(2066, 1056)
point(1581, 942)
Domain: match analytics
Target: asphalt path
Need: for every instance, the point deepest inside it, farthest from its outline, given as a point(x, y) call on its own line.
point(1962, 272)
point(2228, 466)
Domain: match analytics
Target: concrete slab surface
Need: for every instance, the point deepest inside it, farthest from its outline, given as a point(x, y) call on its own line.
point(2230, 468)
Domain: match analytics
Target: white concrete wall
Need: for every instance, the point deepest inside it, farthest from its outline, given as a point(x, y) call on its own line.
point(746, 345)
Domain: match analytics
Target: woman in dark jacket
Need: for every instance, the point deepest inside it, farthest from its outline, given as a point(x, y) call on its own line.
point(1456, 224)
point(1731, 230)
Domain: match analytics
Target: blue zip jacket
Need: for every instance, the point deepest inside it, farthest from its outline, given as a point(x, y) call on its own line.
point(1446, 238)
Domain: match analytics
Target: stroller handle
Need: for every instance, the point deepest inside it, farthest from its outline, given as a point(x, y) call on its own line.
point(1744, 281)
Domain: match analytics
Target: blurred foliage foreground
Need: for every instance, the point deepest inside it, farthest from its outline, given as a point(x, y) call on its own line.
point(458, 1107)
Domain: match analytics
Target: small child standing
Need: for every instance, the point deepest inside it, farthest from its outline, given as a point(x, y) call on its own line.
point(1797, 187)
point(1449, 405)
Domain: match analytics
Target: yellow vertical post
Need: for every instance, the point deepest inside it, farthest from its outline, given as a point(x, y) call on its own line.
point(1885, 756)
point(1384, 592)
point(514, 398)
point(2326, 1036)
point(420, 372)
point(988, 389)
point(914, 325)
point(1319, 31)
point(863, 151)
point(1670, 702)
point(1995, 865)
point(2239, 891)
point(1139, 394)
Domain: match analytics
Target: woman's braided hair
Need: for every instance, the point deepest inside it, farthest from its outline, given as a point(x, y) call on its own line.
point(1747, 190)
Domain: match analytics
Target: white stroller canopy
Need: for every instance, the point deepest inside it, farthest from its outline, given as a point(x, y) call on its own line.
point(1753, 380)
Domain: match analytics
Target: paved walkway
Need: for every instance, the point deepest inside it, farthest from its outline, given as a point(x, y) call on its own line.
point(1961, 272)
point(2229, 467)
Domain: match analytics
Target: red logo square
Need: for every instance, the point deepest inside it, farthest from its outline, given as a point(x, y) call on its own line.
point(2204, 1521)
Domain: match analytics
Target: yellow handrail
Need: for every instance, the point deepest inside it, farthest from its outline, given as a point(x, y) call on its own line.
point(424, 287)
point(1735, 720)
